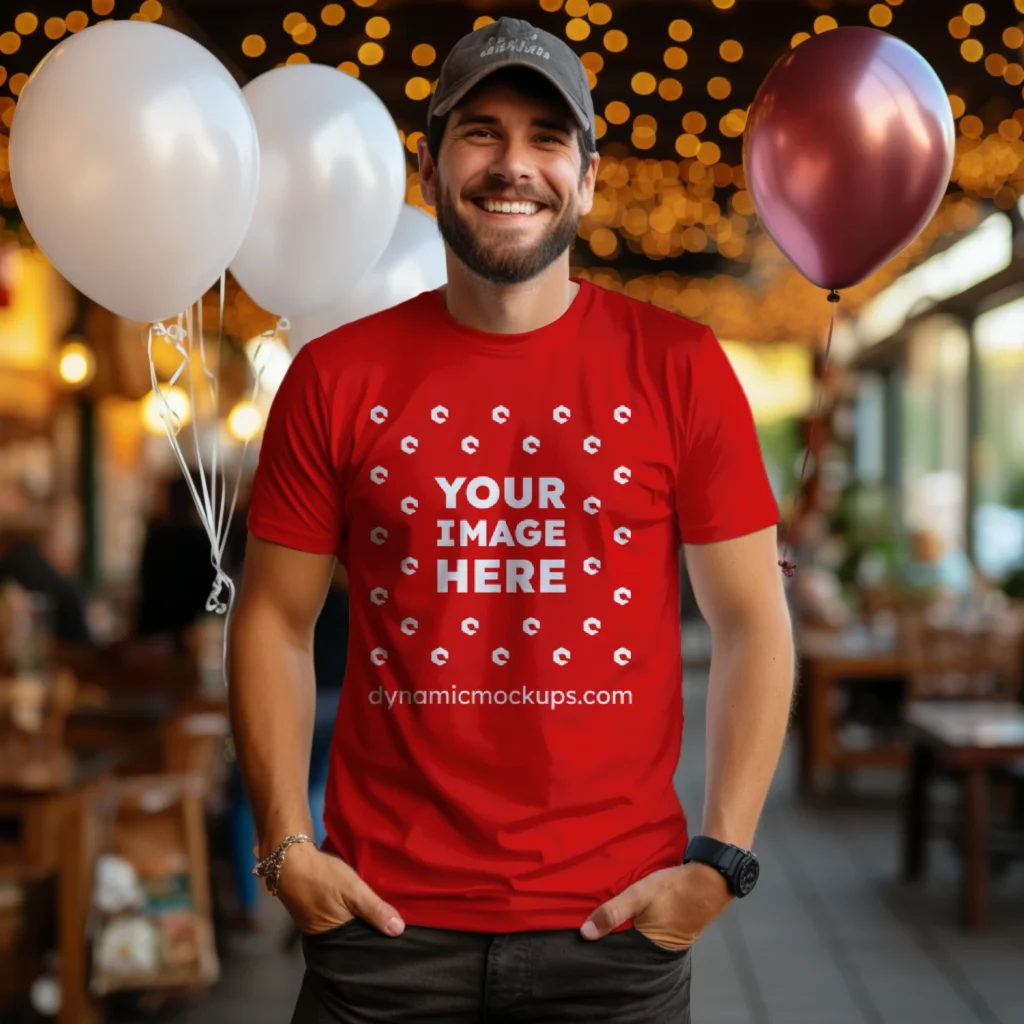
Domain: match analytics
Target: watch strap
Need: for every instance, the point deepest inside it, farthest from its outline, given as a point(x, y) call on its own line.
point(724, 857)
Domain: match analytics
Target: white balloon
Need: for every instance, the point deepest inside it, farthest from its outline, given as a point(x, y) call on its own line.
point(331, 188)
point(413, 262)
point(135, 163)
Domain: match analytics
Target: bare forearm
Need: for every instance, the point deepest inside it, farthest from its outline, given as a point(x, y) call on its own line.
point(273, 701)
point(749, 699)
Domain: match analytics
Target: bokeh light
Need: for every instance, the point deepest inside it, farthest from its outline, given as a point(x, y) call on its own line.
point(371, 53)
point(577, 29)
point(332, 15)
point(670, 89)
point(676, 58)
point(694, 122)
point(972, 50)
point(995, 64)
point(680, 30)
point(709, 153)
point(172, 408)
point(687, 146)
point(731, 51)
point(971, 126)
point(254, 46)
point(604, 243)
point(974, 14)
point(880, 15)
point(417, 88)
point(644, 83)
point(615, 41)
point(245, 421)
point(617, 112)
point(77, 365)
point(423, 55)
point(719, 88)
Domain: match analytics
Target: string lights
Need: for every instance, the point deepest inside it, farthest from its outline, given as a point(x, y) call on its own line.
point(670, 94)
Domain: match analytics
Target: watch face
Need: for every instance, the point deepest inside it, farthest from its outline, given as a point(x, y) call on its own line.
point(746, 876)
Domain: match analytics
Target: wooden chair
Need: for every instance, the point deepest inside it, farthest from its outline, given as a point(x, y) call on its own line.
point(953, 663)
point(974, 663)
point(193, 742)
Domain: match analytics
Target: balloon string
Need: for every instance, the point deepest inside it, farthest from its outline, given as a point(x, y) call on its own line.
point(209, 496)
point(788, 567)
point(214, 602)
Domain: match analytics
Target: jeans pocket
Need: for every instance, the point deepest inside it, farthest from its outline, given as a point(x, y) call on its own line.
point(649, 944)
point(331, 933)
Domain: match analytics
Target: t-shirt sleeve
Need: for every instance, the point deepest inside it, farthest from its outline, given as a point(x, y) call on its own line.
point(297, 498)
point(722, 489)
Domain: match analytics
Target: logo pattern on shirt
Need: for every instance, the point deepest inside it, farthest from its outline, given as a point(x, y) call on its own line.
point(622, 475)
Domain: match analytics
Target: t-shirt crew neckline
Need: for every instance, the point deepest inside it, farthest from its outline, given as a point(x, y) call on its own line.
point(517, 343)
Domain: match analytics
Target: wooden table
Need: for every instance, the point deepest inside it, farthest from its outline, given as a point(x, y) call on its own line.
point(968, 738)
point(49, 808)
point(124, 718)
point(826, 659)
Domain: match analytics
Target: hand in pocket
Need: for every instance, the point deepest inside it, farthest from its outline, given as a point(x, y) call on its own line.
point(322, 893)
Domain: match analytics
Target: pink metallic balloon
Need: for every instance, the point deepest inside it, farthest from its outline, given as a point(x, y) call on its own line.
point(848, 152)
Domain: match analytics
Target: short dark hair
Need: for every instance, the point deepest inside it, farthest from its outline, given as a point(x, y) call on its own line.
point(529, 84)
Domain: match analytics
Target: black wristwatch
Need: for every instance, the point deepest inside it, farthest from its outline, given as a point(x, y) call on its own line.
point(737, 866)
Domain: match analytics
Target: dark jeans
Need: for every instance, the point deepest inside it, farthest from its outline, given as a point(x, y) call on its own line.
point(356, 975)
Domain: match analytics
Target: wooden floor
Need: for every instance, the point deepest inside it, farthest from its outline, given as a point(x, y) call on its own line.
point(828, 937)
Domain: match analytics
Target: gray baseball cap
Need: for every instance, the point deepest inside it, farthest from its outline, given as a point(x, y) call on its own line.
point(510, 42)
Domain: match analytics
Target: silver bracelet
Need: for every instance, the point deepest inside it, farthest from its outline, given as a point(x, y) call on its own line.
point(270, 867)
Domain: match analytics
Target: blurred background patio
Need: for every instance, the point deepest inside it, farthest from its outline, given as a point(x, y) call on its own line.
point(893, 888)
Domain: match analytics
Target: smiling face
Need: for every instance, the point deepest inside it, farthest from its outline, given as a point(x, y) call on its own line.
point(509, 181)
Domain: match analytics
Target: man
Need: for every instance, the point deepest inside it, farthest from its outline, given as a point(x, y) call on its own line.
point(507, 467)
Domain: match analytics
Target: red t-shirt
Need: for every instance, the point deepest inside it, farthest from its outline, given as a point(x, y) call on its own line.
point(509, 509)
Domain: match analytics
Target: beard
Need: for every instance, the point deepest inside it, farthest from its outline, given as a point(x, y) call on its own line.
point(499, 260)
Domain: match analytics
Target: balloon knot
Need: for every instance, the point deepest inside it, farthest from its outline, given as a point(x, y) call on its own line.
point(833, 296)
point(214, 602)
point(788, 568)
point(175, 332)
